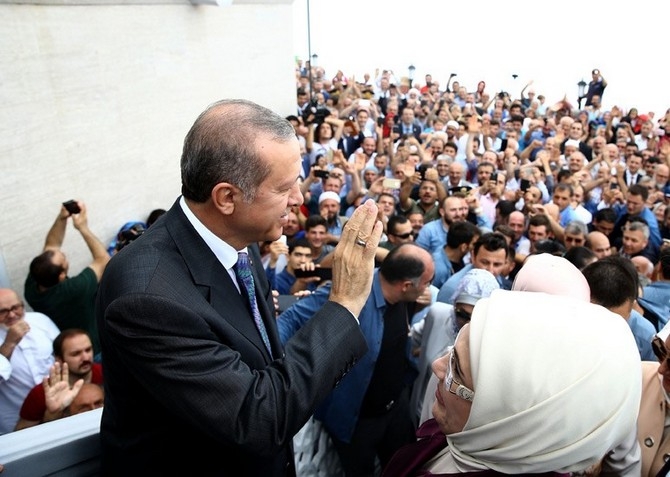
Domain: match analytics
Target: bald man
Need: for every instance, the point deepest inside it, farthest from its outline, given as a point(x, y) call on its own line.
point(26, 353)
point(599, 244)
point(644, 266)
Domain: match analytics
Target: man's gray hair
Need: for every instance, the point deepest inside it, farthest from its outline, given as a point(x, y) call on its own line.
point(221, 147)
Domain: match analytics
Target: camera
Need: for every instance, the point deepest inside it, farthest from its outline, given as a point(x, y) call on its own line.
point(72, 207)
point(321, 173)
point(314, 114)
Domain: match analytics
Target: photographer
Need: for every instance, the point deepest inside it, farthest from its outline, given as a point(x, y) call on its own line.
point(68, 301)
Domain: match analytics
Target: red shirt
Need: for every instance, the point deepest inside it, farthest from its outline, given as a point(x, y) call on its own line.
point(34, 406)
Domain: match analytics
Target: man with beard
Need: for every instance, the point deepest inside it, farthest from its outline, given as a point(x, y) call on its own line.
point(329, 209)
point(74, 366)
point(433, 235)
point(430, 194)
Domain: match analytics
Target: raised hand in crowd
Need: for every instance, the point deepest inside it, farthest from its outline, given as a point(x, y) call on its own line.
point(58, 394)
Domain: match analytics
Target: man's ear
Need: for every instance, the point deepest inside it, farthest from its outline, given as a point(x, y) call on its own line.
point(224, 196)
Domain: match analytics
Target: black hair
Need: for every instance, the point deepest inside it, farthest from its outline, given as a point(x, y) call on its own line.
point(613, 281)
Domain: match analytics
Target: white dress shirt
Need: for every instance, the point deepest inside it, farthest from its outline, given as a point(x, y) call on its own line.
point(28, 365)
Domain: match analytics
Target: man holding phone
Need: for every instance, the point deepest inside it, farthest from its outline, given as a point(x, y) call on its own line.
point(68, 301)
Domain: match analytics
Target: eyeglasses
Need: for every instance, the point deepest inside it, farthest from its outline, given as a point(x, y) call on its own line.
point(462, 314)
point(659, 349)
point(403, 236)
point(4, 313)
point(453, 386)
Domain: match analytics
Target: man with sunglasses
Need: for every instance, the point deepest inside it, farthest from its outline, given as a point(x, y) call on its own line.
point(652, 424)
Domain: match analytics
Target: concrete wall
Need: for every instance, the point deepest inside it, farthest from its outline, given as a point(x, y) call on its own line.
point(95, 101)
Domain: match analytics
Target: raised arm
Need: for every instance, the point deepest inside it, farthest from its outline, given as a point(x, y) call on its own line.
point(56, 234)
point(96, 247)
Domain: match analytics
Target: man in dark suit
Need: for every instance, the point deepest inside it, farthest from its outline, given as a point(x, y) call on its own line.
point(196, 379)
point(407, 127)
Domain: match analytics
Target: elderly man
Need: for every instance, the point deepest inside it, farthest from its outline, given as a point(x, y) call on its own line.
point(25, 354)
point(187, 319)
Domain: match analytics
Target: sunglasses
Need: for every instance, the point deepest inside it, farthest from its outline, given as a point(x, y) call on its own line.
point(404, 236)
point(462, 314)
point(659, 349)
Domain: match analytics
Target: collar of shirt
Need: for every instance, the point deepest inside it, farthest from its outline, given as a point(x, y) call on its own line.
point(224, 253)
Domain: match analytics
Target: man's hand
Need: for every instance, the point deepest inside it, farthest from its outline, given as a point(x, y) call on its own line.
point(80, 220)
point(15, 334)
point(353, 263)
point(57, 391)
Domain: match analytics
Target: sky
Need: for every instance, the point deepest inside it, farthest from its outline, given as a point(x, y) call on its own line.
point(552, 44)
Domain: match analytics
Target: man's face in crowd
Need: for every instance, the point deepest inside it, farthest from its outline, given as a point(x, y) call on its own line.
point(298, 256)
point(329, 209)
point(634, 204)
point(428, 192)
point(537, 233)
point(492, 261)
point(574, 240)
point(562, 199)
point(316, 236)
point(452, 210)
point(634, 241)
point(517, 222)
point(78, 354)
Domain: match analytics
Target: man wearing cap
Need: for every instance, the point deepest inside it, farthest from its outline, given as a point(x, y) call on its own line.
point(329, 208)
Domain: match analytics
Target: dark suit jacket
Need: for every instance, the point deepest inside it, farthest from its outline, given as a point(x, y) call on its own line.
point(189, 385)
point(416, 130)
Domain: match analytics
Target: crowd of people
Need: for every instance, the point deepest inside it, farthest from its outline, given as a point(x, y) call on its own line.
point(482, 182)
point(433, 241)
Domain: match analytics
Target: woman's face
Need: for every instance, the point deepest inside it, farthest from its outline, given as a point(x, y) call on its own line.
point(451, 411)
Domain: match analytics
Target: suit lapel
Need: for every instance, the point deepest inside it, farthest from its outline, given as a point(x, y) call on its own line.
point(214, 282)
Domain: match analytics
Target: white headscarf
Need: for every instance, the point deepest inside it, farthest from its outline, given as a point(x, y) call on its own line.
point(557, 384)
point(551, 274)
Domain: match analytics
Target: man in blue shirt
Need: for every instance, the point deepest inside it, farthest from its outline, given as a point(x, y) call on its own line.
point(367, 415)
point(614, 284)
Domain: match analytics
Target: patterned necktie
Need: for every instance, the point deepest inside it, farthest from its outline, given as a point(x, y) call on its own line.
point(246, 282)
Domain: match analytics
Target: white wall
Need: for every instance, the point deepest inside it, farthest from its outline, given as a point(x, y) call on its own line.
point(95, 102)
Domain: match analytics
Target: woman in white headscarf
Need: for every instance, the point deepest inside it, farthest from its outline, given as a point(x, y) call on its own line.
point(536, 383)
